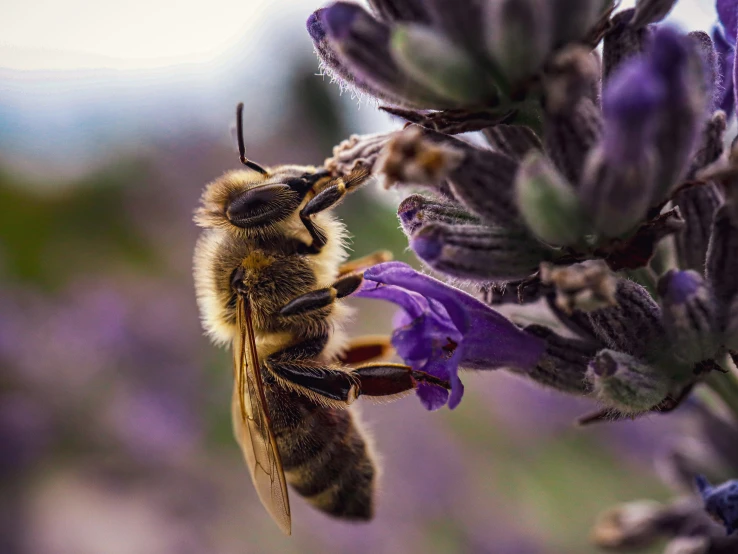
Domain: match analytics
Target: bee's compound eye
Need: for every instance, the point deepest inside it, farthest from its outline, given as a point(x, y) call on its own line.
point(259, 205)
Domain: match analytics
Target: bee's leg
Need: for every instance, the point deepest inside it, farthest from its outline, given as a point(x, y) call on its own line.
point(366, 349)
point(365, 262)
point(297, 369)
point(327, 198)
point(377, 380)
point(384, 379)
point(317, 299)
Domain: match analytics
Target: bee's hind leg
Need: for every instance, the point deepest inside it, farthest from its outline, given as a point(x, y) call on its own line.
point(317, 299)
point(297, 369)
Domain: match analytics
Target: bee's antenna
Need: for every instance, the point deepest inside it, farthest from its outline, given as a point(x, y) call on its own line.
point(241, 147)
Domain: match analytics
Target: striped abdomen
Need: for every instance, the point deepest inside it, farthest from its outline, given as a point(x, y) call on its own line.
point(324, 455)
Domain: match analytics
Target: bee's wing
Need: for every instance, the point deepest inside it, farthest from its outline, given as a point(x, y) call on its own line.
point(251, 423)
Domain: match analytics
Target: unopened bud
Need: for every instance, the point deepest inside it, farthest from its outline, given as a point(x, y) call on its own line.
point(633, 325)
point(479, 252)
point(688, 315)
point(626, 383)
point(548, 203)
point(417, 210)
point(511, 20)
point(432, 59)
point(650, 11)
point(564, 364)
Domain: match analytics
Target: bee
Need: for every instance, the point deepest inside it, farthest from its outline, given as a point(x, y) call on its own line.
point(270, 273)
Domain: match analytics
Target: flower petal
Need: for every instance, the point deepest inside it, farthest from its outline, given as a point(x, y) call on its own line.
point(488, 335)
point(727, 11)
point(432, 397)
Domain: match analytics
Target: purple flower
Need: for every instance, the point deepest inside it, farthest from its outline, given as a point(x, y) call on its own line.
point(721, 501)
point(727, 11)
point(442, 329)
point(630, 103)
point(724, 97)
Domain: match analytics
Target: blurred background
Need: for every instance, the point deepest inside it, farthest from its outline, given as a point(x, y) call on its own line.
point(114, 410)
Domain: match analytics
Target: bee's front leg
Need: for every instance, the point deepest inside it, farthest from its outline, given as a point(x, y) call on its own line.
point(317, 299)
point(328, 198)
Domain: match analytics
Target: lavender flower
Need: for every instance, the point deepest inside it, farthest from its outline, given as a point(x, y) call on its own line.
point(589, 167)
point(725, 98)
point(443, 329)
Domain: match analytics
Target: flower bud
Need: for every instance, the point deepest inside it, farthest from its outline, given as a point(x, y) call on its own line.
point(618, 181)
point(447, 70)
point(688, 315)
point(724, 99)
point(479, 252)
point(485, 184)
point(650, 11)
point(672, 58)
point(417, 210)
point(511, 20)
point(355, 47)
point(626, 383)
point(548, 203)
point(633, 325)
point(704, 63)
point(564, 364)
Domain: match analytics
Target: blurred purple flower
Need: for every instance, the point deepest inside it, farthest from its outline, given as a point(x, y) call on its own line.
point(727, 11)
point(725, 98)
point(721, 501)
point(443, 328)
point(25, 432)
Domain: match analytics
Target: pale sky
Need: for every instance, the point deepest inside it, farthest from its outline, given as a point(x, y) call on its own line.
point(140, 34)
point(130, 34)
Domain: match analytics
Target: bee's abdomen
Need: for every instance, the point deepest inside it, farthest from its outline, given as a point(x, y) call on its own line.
point(326, 460)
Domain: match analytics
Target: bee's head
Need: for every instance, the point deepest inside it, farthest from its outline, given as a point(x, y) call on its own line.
point(257, 198)
point(252, 200)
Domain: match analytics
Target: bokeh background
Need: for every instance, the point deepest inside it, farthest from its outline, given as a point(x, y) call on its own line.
point(114, 409)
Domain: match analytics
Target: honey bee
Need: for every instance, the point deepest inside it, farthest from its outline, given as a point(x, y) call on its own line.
point(270, 273)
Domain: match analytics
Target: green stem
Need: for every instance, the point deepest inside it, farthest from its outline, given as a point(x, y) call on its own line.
point(725, 385)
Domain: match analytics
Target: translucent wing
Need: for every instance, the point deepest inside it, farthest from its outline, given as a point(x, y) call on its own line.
point(251, 423)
